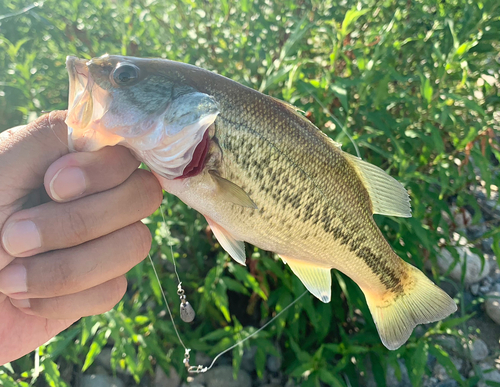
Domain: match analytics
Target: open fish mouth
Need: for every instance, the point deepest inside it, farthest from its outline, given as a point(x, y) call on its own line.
point(87, 105)
point(135, 103)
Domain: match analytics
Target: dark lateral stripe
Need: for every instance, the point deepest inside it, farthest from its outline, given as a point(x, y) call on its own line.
point(387, 275)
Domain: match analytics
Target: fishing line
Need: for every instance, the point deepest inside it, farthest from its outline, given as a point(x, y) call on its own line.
point(199, 368)
point(55, 134)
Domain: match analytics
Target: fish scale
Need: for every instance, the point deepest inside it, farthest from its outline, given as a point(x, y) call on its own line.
point(323, 214)
point(262, 174)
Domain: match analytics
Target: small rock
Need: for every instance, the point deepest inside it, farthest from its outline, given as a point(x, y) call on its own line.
point(198, 379)
point(222, 376)
point(477, 230)
point(495, 271)
point(475, 271)
point(248, 358)
point(99, 370)
point(486, 282)
point(392, 380)
point(419, 331)
point(484, 289)
point(478, 350)
point(104, 358)
point(440, 372)
point(273, 363)
point(162, 379)
point(474, 289)
point(493, 376)
point(487, 245)
point(462, 217)
point(448, 383)
point(459, 240)
point(276, 378)
point(492, 305)
point(430, 382)
point(450, 343)
point(100, 381)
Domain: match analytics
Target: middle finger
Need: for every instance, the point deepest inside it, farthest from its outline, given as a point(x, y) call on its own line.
point(52, 226)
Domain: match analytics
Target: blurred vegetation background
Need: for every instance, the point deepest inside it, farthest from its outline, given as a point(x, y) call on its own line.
point(414, 82)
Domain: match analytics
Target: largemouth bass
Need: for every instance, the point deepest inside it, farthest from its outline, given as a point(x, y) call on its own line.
point(260, 173)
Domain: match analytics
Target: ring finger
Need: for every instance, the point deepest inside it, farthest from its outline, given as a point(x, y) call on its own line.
point(96, 300)
point(73, 270)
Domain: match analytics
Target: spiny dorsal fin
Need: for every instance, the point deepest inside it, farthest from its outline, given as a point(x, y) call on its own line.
point(231, 192)
point(294, 109)
point(318, 280)
point(235, 248)
point(387, 194)
point(288, 105)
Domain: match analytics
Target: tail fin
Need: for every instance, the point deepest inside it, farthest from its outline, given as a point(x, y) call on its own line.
point(420, 302)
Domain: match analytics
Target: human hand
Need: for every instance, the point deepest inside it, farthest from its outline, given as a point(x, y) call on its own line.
point(64, 256)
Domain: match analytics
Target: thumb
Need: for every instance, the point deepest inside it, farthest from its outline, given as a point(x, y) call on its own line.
point(26, 152)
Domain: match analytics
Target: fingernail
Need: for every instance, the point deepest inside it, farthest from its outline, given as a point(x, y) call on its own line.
point(22, 304)
point(67, 184)
point(13, 279)
point(20, 237)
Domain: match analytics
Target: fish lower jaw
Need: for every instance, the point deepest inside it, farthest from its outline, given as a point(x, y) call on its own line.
point(89, 140)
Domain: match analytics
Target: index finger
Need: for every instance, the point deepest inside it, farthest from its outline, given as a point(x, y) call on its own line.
point(80, 174)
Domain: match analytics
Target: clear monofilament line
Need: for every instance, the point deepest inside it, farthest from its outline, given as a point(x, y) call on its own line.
point(171, 249)
point(166, 303)
point(199, 369)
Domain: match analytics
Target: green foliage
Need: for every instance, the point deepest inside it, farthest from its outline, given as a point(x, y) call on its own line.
point(415, 84)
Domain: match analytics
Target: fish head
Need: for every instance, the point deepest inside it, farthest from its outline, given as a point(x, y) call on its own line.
point(143, 104)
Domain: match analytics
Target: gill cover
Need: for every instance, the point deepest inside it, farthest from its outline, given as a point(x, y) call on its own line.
point(174, 140)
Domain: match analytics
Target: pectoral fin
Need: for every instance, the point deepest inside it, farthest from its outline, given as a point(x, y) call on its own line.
point(231, 192)
point(318, 280)
point(235, 248)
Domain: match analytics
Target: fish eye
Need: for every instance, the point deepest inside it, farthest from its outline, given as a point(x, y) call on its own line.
point(125, 74)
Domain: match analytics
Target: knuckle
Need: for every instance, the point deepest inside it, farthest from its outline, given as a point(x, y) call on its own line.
point(75, 226)
point(149, 190)
point(124, 158)
point(59, 282)
point(116, 290)
point(50, 307)
point(141, 240)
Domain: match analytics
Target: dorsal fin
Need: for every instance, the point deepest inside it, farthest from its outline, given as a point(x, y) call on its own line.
point(388, 196)
point(294, 109)
point(288, 105)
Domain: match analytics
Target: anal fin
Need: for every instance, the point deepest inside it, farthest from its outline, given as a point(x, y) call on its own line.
point(235, 248)
point(318, 280)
